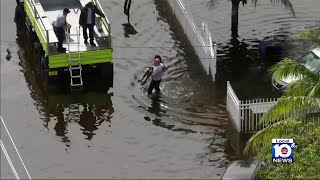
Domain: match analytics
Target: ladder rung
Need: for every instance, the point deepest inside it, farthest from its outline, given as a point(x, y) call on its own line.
point(78, 76)
point(74, 59)
point(74, 42)
point(72, 35)
point(76, 84)
point(75, 68)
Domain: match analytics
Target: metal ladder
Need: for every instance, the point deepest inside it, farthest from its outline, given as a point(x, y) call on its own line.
point(75, 70)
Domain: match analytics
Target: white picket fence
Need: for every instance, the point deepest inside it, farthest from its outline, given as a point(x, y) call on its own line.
point(201, 40)
point(246, 114)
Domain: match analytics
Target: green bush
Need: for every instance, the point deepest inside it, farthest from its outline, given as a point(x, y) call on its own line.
point(306, 163)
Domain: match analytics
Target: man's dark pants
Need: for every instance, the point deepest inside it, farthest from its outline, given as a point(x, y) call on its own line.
point(85, 35)
point(154, 85)
point(60, 35)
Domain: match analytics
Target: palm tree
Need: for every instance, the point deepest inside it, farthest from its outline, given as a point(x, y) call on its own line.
point(313, 35)
point(300, 105)
point(235, 10)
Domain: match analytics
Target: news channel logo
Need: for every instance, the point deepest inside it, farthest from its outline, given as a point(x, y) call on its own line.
point(283, 150)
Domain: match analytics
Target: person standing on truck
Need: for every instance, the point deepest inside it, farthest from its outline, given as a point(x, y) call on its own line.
point(87, 20)
point(156, 76)
point(59, 28)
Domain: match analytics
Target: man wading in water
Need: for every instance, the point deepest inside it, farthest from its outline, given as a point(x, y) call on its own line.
point(156, 76)
point(149, 70)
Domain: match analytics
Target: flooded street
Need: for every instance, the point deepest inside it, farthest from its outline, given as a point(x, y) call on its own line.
point(121, 132)
point(239, 60)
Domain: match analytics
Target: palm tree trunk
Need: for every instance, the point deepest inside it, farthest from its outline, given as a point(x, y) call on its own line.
point(235, 18)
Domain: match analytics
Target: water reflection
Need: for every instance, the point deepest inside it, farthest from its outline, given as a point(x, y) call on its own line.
point(58, 107)
point(89, 110)
point(155, 107)
point(61, 125)
point(128, 30)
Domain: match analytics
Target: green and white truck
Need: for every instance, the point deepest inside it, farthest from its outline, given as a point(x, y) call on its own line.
point(38, 16)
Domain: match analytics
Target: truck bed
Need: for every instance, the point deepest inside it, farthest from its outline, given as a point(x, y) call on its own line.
point(52, 8)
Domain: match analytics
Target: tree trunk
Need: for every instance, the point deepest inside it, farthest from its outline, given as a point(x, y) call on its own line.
point(235, 18)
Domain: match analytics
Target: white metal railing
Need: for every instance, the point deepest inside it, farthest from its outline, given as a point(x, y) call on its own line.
point(246, 114)
point(233, 106)
point(37, 16)
point(201, 40)
point(252, 111)
point(104, 20)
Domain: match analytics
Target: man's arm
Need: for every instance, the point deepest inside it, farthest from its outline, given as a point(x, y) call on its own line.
point(97, 11)
point(81, 17)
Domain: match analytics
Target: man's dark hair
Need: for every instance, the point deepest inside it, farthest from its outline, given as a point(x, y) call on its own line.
point(158, 56)
point(66, 10)
point(89, 4)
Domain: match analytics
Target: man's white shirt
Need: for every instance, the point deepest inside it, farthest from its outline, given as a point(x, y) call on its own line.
point(61, 20)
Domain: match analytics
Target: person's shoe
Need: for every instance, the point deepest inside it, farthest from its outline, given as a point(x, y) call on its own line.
point(85, 41)
point(92, 44)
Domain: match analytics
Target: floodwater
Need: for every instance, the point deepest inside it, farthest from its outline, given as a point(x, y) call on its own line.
point(239, 61)
point(121, 132)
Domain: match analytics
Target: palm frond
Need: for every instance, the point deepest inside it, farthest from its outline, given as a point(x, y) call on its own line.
point(289, 106)
point(286, 3)
point(307, 86)
point(281, 129)
point(288, 67)
point(277, 130)
point(312, 35)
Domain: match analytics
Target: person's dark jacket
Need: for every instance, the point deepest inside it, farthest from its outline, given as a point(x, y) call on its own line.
point(84, 15)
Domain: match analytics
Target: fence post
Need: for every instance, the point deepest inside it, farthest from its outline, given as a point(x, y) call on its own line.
point(228, 84)
point(185, 18)
point(239, 116)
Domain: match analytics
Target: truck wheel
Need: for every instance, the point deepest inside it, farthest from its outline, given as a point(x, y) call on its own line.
point(37, 56)
point(106, 73)
point(44, 72)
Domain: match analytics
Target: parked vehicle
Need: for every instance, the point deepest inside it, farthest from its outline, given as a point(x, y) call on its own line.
point(310, 60)
point(242, 169)
point(38, 16)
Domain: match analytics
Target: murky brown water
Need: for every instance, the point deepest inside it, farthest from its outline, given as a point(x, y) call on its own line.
point(239, 61)
point(121, 132)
